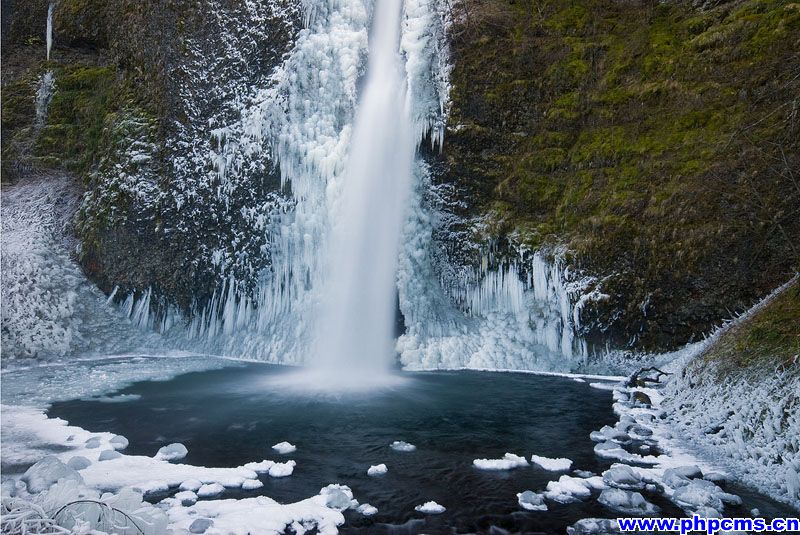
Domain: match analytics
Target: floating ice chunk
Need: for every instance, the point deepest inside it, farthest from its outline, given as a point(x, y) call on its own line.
point(430, 508)
point(107, 455)
point(377, 470)
point(508, 462)
point(211, 489)
point(191, 484)
point(626, 501)
point(78, 462)
point(399, 445)
point(119, 398)
point(610, 450)
point(118, 442)
point(531, 501)
point(367, 509)
point(172, 452)
point(553, 464)
point(699, 493)
point(607, 433)
point(252, 484)
point(284, 447)
point(282, 469)
point(186, 497)
point(594, 526)
point(42, 475)
point(622, 476)
point(338, 497)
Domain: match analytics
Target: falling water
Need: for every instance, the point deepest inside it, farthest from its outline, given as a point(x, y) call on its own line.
point(355, 336)
point(49, 34)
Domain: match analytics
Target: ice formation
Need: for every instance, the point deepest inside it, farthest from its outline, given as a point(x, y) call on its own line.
point(554, 465)
point(531, 501)
point(284, 448)
point(507, 462)
point(399, 445)
point(377, 470)
point(172, 452)
point(430, 508)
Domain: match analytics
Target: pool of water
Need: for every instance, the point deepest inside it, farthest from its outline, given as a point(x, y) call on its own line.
point(232, 416)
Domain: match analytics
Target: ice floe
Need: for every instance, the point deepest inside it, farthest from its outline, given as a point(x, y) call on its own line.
point(399, 445)
point(430, 508)
point(377, 470)
point(367, 509)
point(284, 448)
point(627, 502)
point(508, 462)
point(552, 464)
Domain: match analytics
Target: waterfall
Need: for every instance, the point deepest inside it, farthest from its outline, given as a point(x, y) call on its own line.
point(49, 34)
point(356, 328)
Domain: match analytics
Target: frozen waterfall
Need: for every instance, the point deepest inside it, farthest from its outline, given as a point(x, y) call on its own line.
point(355, 333)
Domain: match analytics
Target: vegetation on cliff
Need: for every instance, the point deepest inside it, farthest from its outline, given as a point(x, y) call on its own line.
point(657, 141)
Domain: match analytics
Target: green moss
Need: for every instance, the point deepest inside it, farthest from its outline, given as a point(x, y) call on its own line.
point(657, 139)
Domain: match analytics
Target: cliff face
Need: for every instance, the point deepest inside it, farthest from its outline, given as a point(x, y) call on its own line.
point(138, 88)
point(657, 141)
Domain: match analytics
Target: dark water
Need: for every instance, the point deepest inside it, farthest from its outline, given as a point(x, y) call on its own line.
point(233, 416)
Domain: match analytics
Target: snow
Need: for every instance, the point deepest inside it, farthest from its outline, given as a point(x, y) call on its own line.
point(284, 447)
point(211, 489)
point(186, 497)
point(259, 515)
point(191, 484)
point(172, 452)
point(627, 502)
point(377, 470)
point(570, 489)
point(42, 475)
point(252, 484)
point(430, 508)
point(553, 464)
point(508, 462)
point(399, 445)
point(531, 501)
point(367, 509)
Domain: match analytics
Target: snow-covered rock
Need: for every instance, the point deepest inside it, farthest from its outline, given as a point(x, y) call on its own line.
point(118, 442)
point(622, 476)
point(191, 484)
point(209, 490)
point(594, 526)
point(531, 501)
point(172, 452)
point(627, 502)
point(570, 489)
point(338, 497)
point(186, 497)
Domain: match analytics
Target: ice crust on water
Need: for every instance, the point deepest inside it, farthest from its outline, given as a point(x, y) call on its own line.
point(172, 452)
point(554, 465)
point(430, 508)
point(399, 445)
point(508, 462)
point(377, 470)
point(284, 448)
point(531, 501)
